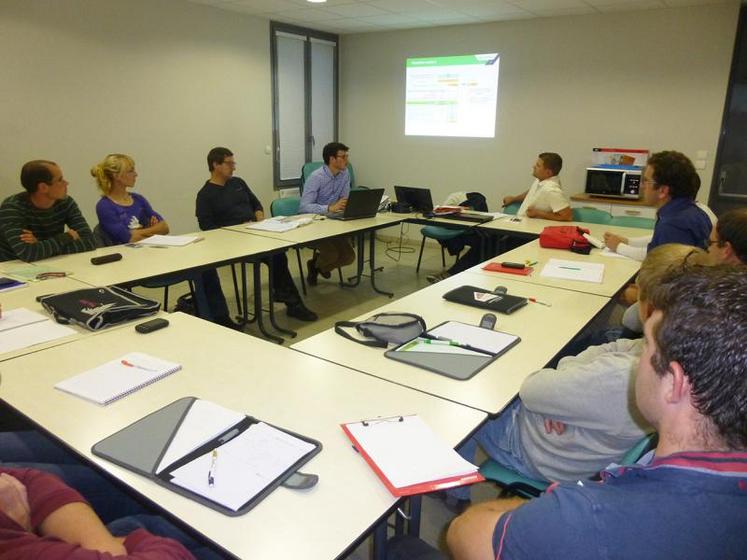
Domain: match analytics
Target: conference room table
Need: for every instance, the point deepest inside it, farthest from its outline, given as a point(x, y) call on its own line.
point(544, 331)
point(324, 228)
point(213, 248)
point(618, 270)
point(274, 384)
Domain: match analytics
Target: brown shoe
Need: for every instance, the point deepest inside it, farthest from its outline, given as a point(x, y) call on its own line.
point(312, 276)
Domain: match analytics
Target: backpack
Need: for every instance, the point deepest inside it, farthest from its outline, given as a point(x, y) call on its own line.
point(384, 328)
point(565, 237)
point(98, 308)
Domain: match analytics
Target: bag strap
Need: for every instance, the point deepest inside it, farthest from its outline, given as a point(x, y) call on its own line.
point(353, 324)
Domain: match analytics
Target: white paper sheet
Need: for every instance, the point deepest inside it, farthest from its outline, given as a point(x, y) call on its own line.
point(30, 335)
point(573, 270)
point(408, 452)
point(204, 422)
point(244, 467)
point(20, 317)
point(280, 224)
point(168, 240)
point(473, 335)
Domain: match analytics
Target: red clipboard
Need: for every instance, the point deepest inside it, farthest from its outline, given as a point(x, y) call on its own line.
point(421, 488)
point(498, 267)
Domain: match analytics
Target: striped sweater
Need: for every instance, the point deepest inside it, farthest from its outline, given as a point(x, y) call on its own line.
point(17, 213)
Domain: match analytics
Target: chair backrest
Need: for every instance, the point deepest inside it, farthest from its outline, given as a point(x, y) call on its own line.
point(285, 206)
point(643, 446)
point(100, 237)
point(633, 221)
point(591, 216)
point(310, 166)
point(512, 208)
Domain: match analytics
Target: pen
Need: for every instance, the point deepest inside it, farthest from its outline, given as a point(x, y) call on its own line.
point(534, 300)
point(211, 471)
point(569, 268)
point(441, 342)
point(530, 263)
point(450, 342)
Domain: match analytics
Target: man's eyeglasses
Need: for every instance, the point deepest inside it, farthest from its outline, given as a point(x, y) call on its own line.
point(649, 182)
point(342, 156)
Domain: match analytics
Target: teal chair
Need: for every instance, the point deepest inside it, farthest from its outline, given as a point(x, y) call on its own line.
point(633, 221)
point(515, 483)
point(512, 208)
point(439, 234)
point(289, 207)
point(591, 216)
point(309, 167)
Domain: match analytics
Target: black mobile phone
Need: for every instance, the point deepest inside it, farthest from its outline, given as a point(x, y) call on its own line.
point(488, 321)
point(152, 325)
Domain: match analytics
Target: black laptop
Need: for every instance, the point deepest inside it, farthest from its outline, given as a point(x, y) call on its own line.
point(417, 197)
point(361, 204)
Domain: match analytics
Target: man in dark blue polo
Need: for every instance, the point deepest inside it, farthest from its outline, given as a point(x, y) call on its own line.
point(689, 500)
point(670, 183)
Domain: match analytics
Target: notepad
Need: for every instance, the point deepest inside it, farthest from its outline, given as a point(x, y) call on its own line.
point(8, 284)
point(243, 467)
point(408, 457)
point(118, 378)
point(574, 270)
point(168, 240)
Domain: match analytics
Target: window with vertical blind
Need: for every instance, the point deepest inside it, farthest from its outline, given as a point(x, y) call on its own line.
point(304, 83)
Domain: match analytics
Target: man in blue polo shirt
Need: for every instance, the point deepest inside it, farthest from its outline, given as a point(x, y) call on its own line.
point(326, 191)
point(687, 501)
point(670, 183)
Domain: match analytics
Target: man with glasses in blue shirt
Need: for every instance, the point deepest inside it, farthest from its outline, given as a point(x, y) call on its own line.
point(324, 192)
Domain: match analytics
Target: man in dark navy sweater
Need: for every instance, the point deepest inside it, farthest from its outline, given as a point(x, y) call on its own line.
point(226, 200)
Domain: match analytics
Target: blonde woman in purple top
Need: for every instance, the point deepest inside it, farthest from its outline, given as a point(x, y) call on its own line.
point(124, 216)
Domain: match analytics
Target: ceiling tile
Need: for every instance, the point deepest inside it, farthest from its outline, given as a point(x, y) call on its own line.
point(548, 5)
point(401, 6)
point(357, 10)
point(307, 14)
point(629, 6)
point(574, 11)
point(258, 6)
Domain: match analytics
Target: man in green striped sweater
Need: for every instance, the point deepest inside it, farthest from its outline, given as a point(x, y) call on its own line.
point(32, 223)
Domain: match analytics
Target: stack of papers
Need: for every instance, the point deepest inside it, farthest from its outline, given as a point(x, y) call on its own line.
point(574, 270)
point(280, 224)
point(408, 457)
point(21, 328)
point(168, 240)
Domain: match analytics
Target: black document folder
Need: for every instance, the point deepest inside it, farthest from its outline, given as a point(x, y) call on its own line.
point(197, 448)
point(485, 299)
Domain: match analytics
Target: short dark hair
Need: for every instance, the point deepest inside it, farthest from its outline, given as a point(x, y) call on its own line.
point(732, 227)
point(331, 149)
point(216, 156)
point(552, 161)
point(704, 328)
point(675, 170)
point(35, 172)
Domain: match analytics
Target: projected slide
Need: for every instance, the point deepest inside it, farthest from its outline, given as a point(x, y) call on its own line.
point(452, 95)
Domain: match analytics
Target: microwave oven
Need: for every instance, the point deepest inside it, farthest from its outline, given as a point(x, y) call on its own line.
point(613, 182)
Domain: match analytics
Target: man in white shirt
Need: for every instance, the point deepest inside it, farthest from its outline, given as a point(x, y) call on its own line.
point(545, 198)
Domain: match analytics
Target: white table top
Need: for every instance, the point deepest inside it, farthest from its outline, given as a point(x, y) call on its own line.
point(138, 263)
point(324, 228)
point(618, 271)
point(543, 330)
point(286, 388)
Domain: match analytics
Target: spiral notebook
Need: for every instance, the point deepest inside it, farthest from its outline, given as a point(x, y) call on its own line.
point(118, 378)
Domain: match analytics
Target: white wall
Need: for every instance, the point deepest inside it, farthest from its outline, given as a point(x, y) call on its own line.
point(651, 79)
point(161, 80)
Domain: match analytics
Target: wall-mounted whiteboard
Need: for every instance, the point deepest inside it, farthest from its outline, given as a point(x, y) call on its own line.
point(452, 95)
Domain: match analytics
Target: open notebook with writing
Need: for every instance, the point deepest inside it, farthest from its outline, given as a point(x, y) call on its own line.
point(219, 457)
point(408, 456)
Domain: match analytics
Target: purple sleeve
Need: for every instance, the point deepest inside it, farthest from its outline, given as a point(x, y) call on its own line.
point(147, 209)
point(113, 221)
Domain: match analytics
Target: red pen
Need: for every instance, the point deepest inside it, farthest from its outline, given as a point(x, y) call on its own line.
point(534, 300)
